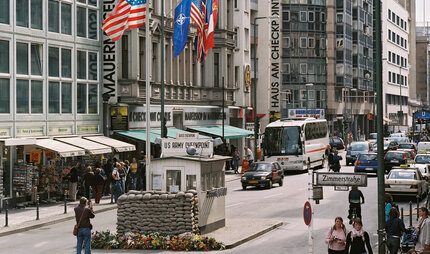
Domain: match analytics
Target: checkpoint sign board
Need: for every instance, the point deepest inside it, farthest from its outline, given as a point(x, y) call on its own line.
point(341, 179)
point(307, 213)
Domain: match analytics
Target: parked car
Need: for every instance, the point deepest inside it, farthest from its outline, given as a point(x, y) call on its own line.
point(263, 174)
point(372, 138)
point(336, 142)
point(355, 149)
point(406, 182)
point(408, 147)
point(422, 162)
point(366, 163)
point(395, 158)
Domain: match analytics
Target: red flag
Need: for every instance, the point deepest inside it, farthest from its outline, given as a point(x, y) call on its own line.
point(212, 19)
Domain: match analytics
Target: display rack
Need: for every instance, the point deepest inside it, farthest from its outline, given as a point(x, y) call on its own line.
point(22, 179)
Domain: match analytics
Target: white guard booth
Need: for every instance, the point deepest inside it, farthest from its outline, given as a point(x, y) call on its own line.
point(203, 171)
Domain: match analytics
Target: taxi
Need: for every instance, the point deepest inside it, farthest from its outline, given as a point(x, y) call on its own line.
point(406, 181)
point(422, 162)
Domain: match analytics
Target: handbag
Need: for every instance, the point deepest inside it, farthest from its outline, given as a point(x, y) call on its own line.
point(75, 229)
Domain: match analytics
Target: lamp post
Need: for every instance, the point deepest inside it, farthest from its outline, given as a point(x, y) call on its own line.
point(255, 83)
point(307, 99)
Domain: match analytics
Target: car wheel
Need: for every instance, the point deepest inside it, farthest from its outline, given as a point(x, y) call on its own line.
point(243, 187)
point(281, 182)
point(270, 184)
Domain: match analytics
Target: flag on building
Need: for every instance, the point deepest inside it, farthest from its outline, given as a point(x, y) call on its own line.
point(127, 14)
point(211, 20)
point(182, 24)
point(198, 11)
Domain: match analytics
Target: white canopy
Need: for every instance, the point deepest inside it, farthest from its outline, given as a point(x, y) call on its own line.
point(91, 147)
point(64, 150)
point(119, 146)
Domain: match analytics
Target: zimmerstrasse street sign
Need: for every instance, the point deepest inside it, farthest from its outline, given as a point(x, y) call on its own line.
point(341, 179)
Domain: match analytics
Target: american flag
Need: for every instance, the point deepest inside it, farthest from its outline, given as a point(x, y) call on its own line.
point(198, 11)
point(127, 14)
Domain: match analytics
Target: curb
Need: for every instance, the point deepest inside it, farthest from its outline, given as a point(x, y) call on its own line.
point(251, 237)
point(27, 228)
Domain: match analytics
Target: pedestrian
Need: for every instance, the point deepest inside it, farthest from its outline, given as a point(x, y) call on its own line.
point(83, 214)
point(355, 196)
point(122, 175)
point(358, 240)
point(336, 237)
point(227, 152)
point(127, 177)
point(388, 205)
point(423, 230)
point(99, 180)
point(236, 159)
point(394, 228)
point(134, 173)
point(334, 160)
point(248, 155)
point(88, 181)
point(117, 182)
point(73, 182)
point(108, 171)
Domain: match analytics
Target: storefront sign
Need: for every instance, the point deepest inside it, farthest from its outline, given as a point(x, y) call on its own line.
point(59, 130)
point(89, 129)
point(35, 157)
point(25, 132)
point(175, 147)
point(187, 135)
point(109, 60)
point(341, 179)
point(301, 113)
point(5, 132)
point(275, 80)
point(119, 118)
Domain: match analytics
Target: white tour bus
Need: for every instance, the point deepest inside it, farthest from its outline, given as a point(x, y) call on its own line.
point(293, 142)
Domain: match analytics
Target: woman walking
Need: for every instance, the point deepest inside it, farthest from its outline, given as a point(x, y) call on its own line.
point(394, 228)
point(423, 230)
point(358, 240)
point(336, 237)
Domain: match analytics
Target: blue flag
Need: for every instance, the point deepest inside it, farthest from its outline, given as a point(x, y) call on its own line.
point(182, 24)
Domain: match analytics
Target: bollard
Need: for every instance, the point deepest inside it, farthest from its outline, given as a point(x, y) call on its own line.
point(401, 214)
point(65, 202)
point(410, 213)
point(6, 213)
point(37, 207)
point(111, 194)
point(418, 206)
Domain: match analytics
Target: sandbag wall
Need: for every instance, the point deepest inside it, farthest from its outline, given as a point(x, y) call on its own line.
point(162, 212)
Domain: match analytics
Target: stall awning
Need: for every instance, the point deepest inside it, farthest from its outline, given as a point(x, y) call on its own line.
point(119, 146)
point(141, 134)
point(64, 150)
point(229, 131)
point(19, 141)
point(90, 146)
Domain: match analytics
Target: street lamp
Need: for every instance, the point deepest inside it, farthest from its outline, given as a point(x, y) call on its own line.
point(256, 125)
point(307, 101)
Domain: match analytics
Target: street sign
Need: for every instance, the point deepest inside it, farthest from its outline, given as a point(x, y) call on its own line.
point(341, 188)
point(307, 213)
point(341, 179)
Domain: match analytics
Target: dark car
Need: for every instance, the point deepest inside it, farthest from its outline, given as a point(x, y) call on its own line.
point(395, 158)
point(263, 174)
point(409, 147)
point(366, 163)
point(355, 149)
point(336, 142)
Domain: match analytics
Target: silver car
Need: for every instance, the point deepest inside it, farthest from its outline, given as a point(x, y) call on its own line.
point(406, 182)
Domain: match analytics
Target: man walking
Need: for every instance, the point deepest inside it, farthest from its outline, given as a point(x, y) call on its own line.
point(248, 155)
point(83, 214)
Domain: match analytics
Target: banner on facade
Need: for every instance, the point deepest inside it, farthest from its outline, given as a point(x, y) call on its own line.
point(311, 112)
point(109, 58)
point(119, 118)
point(275, 56)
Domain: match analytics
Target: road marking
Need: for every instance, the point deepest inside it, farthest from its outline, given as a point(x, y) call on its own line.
point(273, 195)
point(234, 204)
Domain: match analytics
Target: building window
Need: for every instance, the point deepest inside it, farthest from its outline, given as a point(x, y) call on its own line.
point(303, 68)
point(66, 18)
point(303, 16)
point(216, 70)
point(4, 56)
point(81, 101)
point(389, 14)
point(303, 42)
point(29, 96)
point(87, 94)
point(389, 76)
point(124, 56)
point(54, 16)
point(4, 12)
point(286, 68)
point(286, 42)
point(54, 62)
point(86, 19)
point(29, 12)
point(4, 96)
point(311, 42)
point(286, 15)
point(54, 97)
point(311, 16)
point(87, 87)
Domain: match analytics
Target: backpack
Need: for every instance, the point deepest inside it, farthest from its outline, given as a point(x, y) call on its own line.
point(395, 205)
point(331, 158)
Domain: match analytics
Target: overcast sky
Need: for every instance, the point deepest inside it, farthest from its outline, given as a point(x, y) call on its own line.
point(420, 5)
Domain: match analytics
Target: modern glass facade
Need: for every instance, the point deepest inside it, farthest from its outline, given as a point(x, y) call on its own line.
point(304, 54)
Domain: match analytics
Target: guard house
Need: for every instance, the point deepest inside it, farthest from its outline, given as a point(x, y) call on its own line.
point(199, 170)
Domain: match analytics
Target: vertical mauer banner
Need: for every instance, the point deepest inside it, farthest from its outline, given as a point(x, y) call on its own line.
point(275, 82)
point(109, 58)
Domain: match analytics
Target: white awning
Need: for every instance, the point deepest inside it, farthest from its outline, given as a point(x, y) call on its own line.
point(91, 147)
point(19, 141)
point(64, 150)
point(119, 146)
point(388, 120)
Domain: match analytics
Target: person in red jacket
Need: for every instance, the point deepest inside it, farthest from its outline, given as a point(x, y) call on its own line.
point(83, 214)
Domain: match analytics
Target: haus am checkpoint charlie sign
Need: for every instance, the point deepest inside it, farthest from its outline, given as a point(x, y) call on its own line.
point(341, 179)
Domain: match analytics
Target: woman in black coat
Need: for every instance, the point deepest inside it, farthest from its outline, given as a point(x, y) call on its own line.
point(358, 240)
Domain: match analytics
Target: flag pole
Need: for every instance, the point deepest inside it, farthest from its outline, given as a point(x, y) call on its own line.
point(148, 98)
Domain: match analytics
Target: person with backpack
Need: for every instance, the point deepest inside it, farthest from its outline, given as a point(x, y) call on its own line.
point(355, 198)
point(334, 161)
point(336, 237)
point(394, 228)
point(388, 205)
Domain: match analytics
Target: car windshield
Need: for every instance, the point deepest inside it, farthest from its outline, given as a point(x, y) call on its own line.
point(367, 157)
point(398, 156)
point(398, 175)
point(372, 136)
point(406, 146)
point(422, 159)
point(358, 147)
point(260, 167)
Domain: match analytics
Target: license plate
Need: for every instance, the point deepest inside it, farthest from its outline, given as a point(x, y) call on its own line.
point(253, 181)
point(369, 169)
point(394, 161)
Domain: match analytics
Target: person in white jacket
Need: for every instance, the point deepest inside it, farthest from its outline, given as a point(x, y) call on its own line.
point(423, 230)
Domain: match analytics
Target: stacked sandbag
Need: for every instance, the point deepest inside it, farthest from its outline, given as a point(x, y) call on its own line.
point(156, 211)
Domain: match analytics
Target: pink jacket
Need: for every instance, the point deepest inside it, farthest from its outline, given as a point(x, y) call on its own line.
point(336, 245)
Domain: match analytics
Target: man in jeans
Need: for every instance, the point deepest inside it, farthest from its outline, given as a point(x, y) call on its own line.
point(83, 214)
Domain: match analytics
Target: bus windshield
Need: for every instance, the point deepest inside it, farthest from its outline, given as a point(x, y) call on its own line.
point(282, 141)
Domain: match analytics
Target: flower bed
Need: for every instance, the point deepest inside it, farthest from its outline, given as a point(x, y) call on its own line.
point(186, 241)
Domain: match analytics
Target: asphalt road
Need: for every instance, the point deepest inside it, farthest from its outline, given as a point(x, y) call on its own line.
point(281, 203)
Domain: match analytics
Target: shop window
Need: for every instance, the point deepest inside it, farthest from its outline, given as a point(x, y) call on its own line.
point(4, 56)
point(4, 96)
point(191, 182)
point(4, 12)
point(28, 12)
point(173, 180)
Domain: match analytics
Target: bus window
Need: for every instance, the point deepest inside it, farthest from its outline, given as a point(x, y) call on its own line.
point(282, 141)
